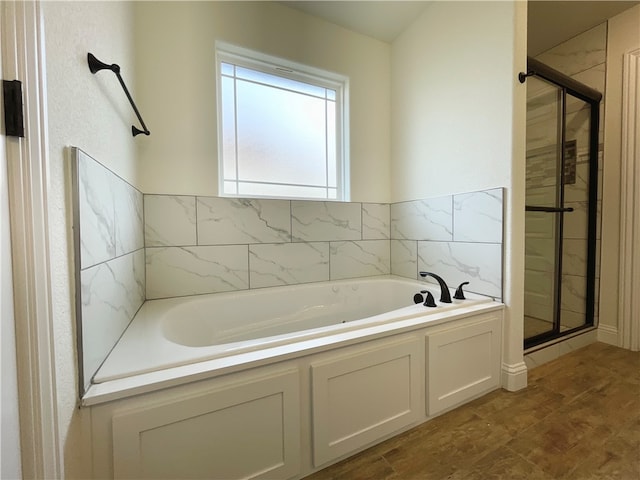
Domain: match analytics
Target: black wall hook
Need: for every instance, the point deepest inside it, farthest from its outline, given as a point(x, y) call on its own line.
point(96, 65)
point(523, 76)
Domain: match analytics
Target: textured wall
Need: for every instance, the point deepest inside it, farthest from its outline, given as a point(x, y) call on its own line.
point(452, 122)
point(89, 111)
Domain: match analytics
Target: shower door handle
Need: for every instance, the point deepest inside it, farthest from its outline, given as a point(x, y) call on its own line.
point(532, 208)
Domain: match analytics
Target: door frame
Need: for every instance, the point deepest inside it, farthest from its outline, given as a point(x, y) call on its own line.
point(27, 175)
point(10, 458)
point(629, 275)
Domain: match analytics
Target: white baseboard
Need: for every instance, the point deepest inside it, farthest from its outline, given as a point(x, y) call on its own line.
point(514, 377)
point(608, 334)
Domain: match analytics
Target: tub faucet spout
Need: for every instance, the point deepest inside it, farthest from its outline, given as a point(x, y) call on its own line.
point(445, 296)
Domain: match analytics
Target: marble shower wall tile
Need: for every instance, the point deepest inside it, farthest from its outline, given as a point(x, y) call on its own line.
point(578, 191)
point(573, 293)
point(576, 222)
point(360, 259)
point(325, 221)
point(288, 263)
point(179, 271)
point(480, 264)
point(238, 220)
point(170, 220)
point(477, 216)
point(376, 221)
point(574, 257)
point(540, 284)
point(540, 254)
point(429, 219)
point(579, 53)
point(593, 77)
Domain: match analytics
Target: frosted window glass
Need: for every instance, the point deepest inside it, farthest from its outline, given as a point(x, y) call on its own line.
point(281, 82)
point(228, 128)
point(271, 190)
point(281, 136)
point(226, 69)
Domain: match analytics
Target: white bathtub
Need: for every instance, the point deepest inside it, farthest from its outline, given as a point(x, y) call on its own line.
point(271, 322)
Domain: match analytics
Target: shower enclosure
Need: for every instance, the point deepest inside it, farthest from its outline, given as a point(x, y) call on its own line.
point(561, 204)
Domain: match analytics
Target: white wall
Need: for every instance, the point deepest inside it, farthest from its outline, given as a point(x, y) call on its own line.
point(175, 50)
point(91, 112)
point(623, 35)
point(458, 123)
point(451, 102)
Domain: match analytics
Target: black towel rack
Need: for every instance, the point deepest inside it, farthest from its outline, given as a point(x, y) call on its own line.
point(534, 208)
point(96, 65)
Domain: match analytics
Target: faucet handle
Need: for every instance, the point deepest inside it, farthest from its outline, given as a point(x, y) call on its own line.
point(459, 295)
point(429, 301)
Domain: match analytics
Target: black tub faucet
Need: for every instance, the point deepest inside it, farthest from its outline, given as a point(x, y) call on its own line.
point(459, 295)
point(445, 296)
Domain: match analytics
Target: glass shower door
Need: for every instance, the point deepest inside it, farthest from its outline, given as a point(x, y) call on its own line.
point(576, 299)
point(543, 222)
point(561, 212)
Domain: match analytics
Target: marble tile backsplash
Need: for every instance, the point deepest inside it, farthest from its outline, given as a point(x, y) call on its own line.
point(458, 237)
point(209, 244)
point(110, 257)
point(325, 221)
point(429, 219)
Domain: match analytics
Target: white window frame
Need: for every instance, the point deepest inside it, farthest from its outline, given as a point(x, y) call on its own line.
point(228, 53)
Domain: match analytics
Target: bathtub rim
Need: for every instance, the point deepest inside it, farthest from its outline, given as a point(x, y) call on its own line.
point(149, 325)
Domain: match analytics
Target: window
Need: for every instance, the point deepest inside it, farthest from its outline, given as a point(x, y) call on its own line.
point(280, 128)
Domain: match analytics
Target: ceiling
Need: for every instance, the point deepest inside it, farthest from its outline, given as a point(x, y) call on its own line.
point(383, 20)
point(549, 22)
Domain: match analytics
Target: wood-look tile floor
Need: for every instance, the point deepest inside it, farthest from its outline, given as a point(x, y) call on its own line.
point(578, 419)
